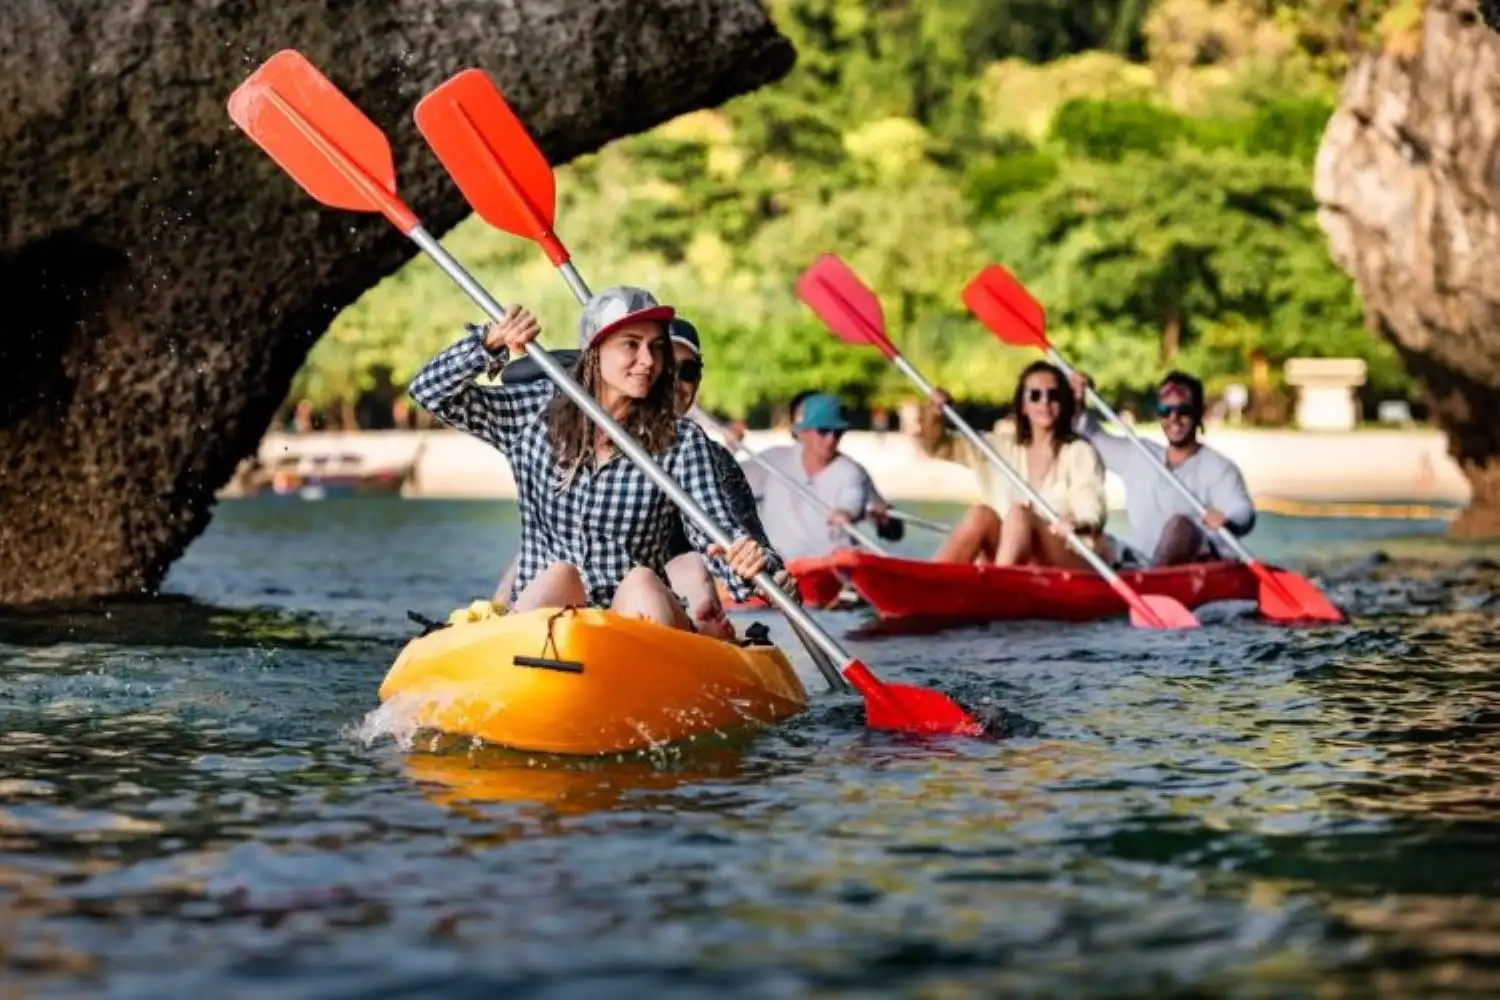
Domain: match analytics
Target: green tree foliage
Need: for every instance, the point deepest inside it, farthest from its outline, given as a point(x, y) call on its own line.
point(1144, 166)
point(1198, 260)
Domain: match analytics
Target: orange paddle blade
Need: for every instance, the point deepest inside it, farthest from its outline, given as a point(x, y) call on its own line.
point(1290, 597)
point(1161, 611)
point(844, 303)
point(1005, 306)
point(904, 708)
point(318, 136)
point(492, 158)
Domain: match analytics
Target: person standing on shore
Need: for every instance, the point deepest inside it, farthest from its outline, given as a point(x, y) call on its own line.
point(1163, 529)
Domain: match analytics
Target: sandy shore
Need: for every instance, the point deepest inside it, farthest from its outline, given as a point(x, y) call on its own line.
point(1360, 465)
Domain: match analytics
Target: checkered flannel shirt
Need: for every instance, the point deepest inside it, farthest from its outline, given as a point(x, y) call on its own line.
point(609, 520)
point(739, 496)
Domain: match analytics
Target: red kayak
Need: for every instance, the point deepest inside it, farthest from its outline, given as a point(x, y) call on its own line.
point(915, 588)
point(817, 581)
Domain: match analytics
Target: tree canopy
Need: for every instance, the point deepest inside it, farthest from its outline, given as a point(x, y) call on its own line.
point(1144, 166)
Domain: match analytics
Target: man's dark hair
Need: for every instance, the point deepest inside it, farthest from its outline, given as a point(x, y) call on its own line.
point(1192, 386)
point(797, 400)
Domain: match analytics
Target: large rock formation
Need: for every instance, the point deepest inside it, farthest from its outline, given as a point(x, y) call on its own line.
point(164, 280)
point(1408, 178)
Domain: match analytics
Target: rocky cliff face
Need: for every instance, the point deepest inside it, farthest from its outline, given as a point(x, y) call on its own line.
point(1408, 179)
point(164, 280)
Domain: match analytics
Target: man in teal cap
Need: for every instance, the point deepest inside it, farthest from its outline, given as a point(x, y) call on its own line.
point(795, 528)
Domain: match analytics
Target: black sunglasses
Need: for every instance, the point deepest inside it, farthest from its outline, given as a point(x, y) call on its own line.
point(1037, 395)
point(1165, 410)
point(690, 371)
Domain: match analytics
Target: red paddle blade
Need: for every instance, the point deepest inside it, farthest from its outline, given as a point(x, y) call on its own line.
point(845, 305)
point(903, 708)
point(1005, 306)
point(1162, 612)
point(487, 151)
point(1290, 597)
point(317, 135)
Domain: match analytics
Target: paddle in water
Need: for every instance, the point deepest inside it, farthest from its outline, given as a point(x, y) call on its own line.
point(852, 312)
point(342, 159)
point(1004, 305)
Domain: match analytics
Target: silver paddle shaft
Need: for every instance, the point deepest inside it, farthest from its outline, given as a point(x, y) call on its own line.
point(920, 522)
point(802, 491)
point(1095, 400)
point(626, 443)
point(632, 449)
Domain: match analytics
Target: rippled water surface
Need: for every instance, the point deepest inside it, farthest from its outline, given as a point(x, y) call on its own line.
point(195, 801)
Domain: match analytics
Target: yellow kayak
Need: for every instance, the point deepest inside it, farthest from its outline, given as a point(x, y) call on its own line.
point(457, 781)
point(587, 681)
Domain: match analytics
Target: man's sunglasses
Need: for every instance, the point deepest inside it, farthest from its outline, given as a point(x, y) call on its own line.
point(690, 371)
point(1165, 410)
point(1037, 395)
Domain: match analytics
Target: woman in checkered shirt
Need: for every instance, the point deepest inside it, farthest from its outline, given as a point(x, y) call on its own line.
point(595, 529)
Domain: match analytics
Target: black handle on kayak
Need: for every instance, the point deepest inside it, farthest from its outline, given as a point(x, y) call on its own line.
point(429, 625)
point(546, 663)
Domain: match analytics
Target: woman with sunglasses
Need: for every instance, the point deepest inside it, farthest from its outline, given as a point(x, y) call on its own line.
point(595, 527)
point(1041, 446)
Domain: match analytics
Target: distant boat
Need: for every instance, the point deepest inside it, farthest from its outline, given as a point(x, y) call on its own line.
point(321, 477)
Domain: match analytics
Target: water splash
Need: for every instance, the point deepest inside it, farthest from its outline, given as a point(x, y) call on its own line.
point(401, 717)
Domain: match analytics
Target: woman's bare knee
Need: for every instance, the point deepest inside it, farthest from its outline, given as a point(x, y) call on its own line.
point(559, 585)
point(1015, 536)
point(981, 517)
point(642, 595)
point(975, 537)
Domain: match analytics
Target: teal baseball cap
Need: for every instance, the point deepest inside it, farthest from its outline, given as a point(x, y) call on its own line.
point(822, 412)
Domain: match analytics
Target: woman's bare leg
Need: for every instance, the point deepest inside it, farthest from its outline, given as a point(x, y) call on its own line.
point(642, 595)
point(557, 586)
point(1016, 536)
point(502, 589)
point(974, 540)
point(1054, 550)
point(688, 574)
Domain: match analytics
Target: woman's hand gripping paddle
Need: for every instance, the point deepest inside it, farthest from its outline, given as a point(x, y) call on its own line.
point(849, 309)
point(505, 177)
point(1004, 305)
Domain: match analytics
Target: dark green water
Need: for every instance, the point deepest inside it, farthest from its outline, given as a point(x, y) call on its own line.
point(196, 801)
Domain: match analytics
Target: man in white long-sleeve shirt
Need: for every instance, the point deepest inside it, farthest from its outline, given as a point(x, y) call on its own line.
point(1164, 530)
